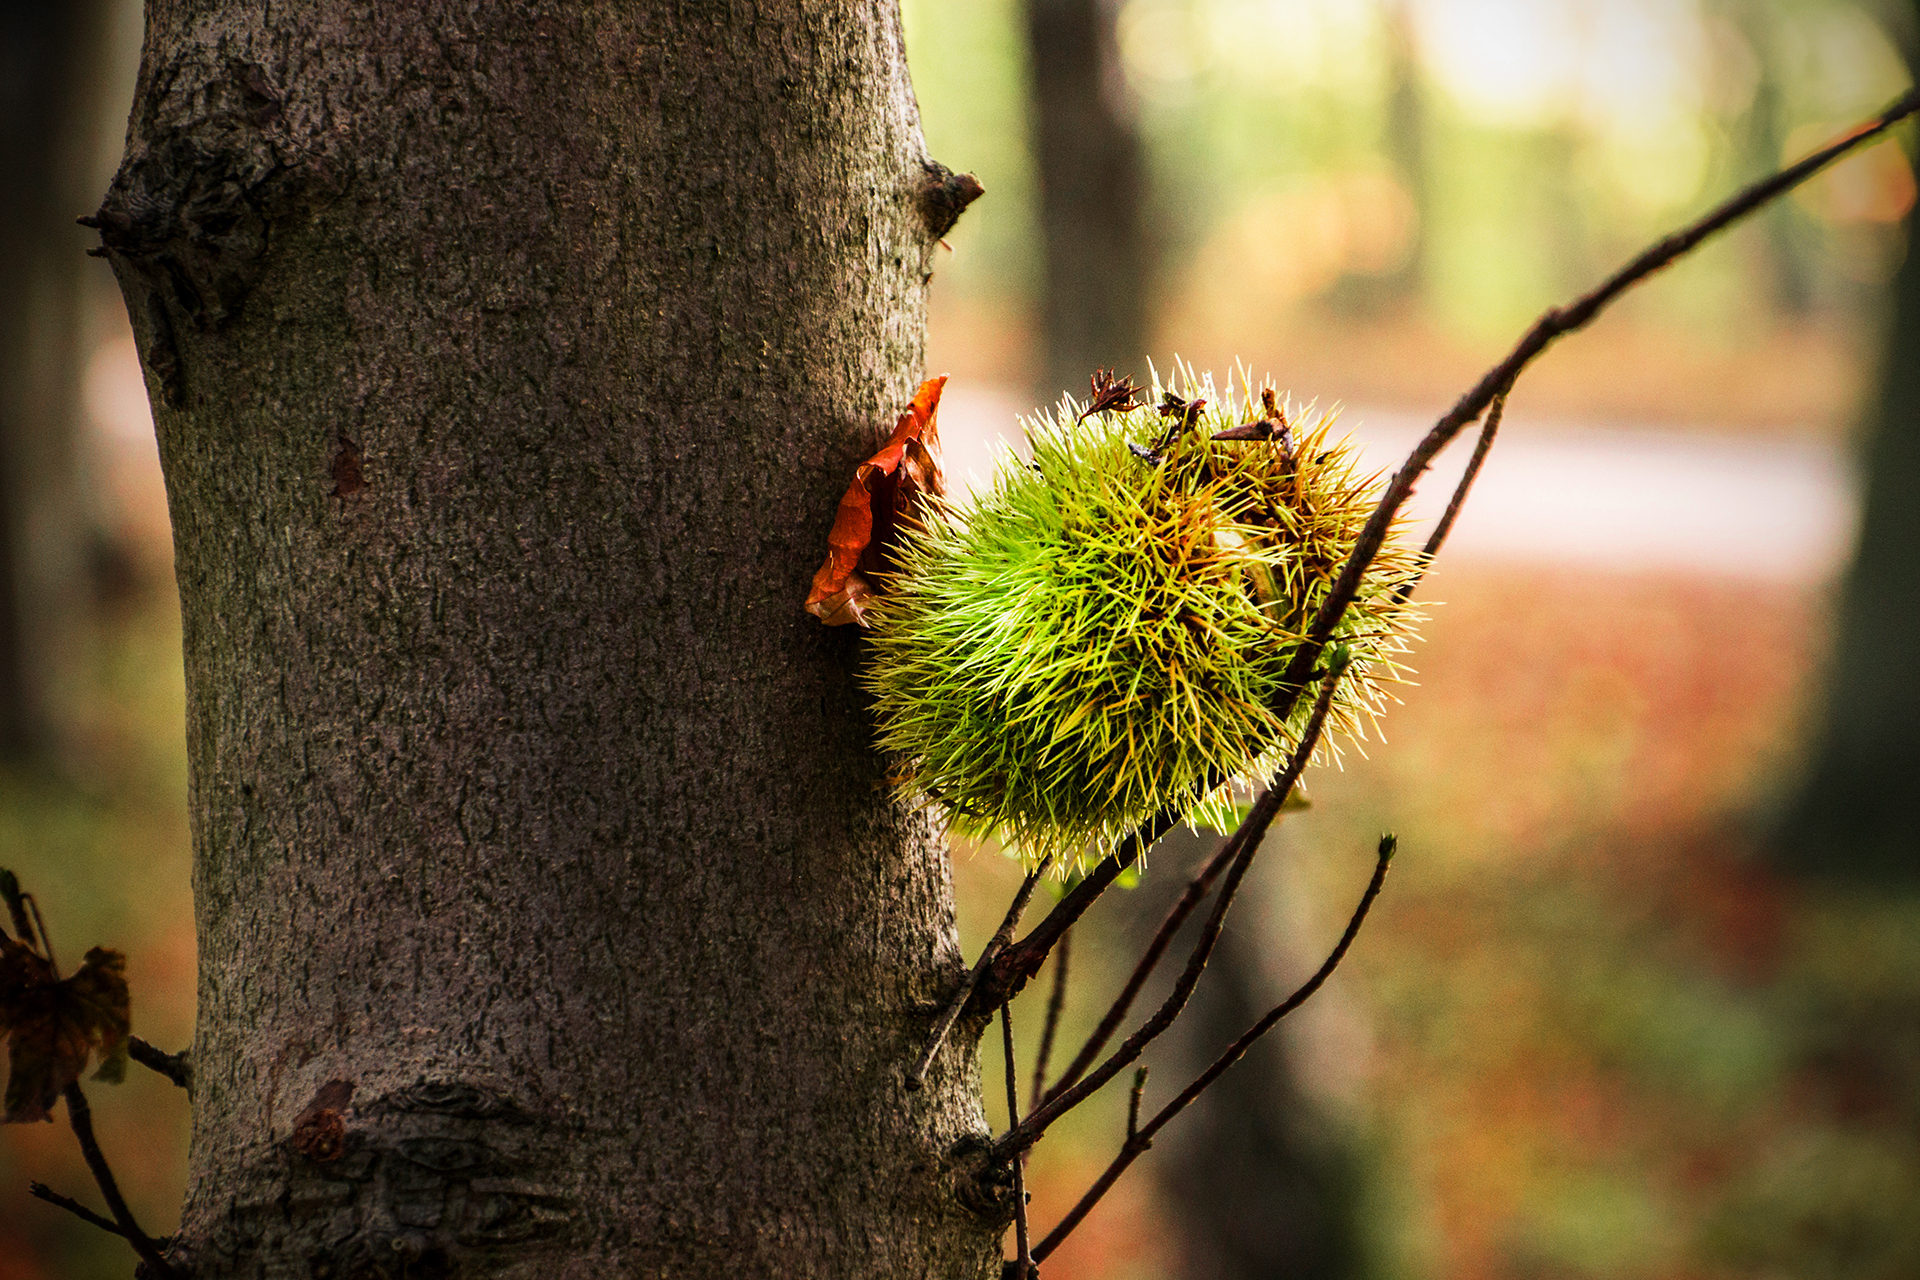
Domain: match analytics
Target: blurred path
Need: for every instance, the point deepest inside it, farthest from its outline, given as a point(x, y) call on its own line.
point(1632, 499)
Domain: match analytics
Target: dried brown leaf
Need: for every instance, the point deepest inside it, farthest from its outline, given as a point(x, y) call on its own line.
point(885, 492)
point(53, 1027)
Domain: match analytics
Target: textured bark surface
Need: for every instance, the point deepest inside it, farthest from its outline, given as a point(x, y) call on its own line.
point(508, 360)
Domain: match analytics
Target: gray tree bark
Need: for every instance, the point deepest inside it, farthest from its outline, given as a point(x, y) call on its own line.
point(508, 360)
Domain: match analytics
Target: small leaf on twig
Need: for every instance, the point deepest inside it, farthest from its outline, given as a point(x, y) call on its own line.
point(53, 1026)
point(885, 492)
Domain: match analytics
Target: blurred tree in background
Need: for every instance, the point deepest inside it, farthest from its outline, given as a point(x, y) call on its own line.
point(1853, 816)
point(1260, 1179)
point(52, 91)
point(1092, 183)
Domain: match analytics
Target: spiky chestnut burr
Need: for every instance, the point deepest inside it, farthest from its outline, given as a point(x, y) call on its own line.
point(1101, 634)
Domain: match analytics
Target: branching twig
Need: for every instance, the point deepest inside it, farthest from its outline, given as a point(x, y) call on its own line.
point(999, 976)
point(1140, 1137)
point(16, 906)
point(1056, 1005)
point(1247, 843)
point(1023, 1252)
point(1489, 427)
point(1555, 324)
point(1016, 965)
point(995, 945)
point(80, 1116)
point(1194, 894)
point(40, 926)
point(177, 1067)
point(1019, 962)
point(41, 1191)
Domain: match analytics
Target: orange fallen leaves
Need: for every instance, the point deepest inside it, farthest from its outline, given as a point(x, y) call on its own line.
point(885, 492)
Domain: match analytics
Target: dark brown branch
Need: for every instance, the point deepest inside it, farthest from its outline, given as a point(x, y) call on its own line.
point(177, 1067)
point(995, 945)
point(1139, 1138)
point(1246, 842)
point(1023, 1245)
point(80, 1116)
point(1194, 894)
point(1016, 965)
point(1056, 1005)
point(1555, 324)
point(41, 1191)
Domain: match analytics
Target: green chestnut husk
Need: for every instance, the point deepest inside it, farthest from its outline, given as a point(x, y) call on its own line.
point(1100, 634)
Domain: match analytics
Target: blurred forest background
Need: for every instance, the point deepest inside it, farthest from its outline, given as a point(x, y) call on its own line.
point(1642, 999)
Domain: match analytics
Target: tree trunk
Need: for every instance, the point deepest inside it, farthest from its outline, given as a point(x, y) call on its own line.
point(1092, 196)
point(1853, 816)
point(1256, 1179)
point(49, 81)
point(507, 361)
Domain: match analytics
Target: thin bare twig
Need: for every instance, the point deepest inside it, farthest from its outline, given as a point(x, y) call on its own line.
point(1022, 960)
point(1023, 1250)
point(1489, 427)
point(1140, 1138)
point(1194, 894)
point(1016, 964)
point(177, 1067)
point(1247, 842)
point(1555, 324)
point(46, 943)
point(1056, 1005)
point(42, 1191)
point(996, 944)
point(80, 1116)
point(1133, 1100)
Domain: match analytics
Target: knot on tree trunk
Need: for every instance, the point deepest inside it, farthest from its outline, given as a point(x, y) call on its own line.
point(191, 213)
point(982, 1182)
point(439, 1179)
point(945, 196)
